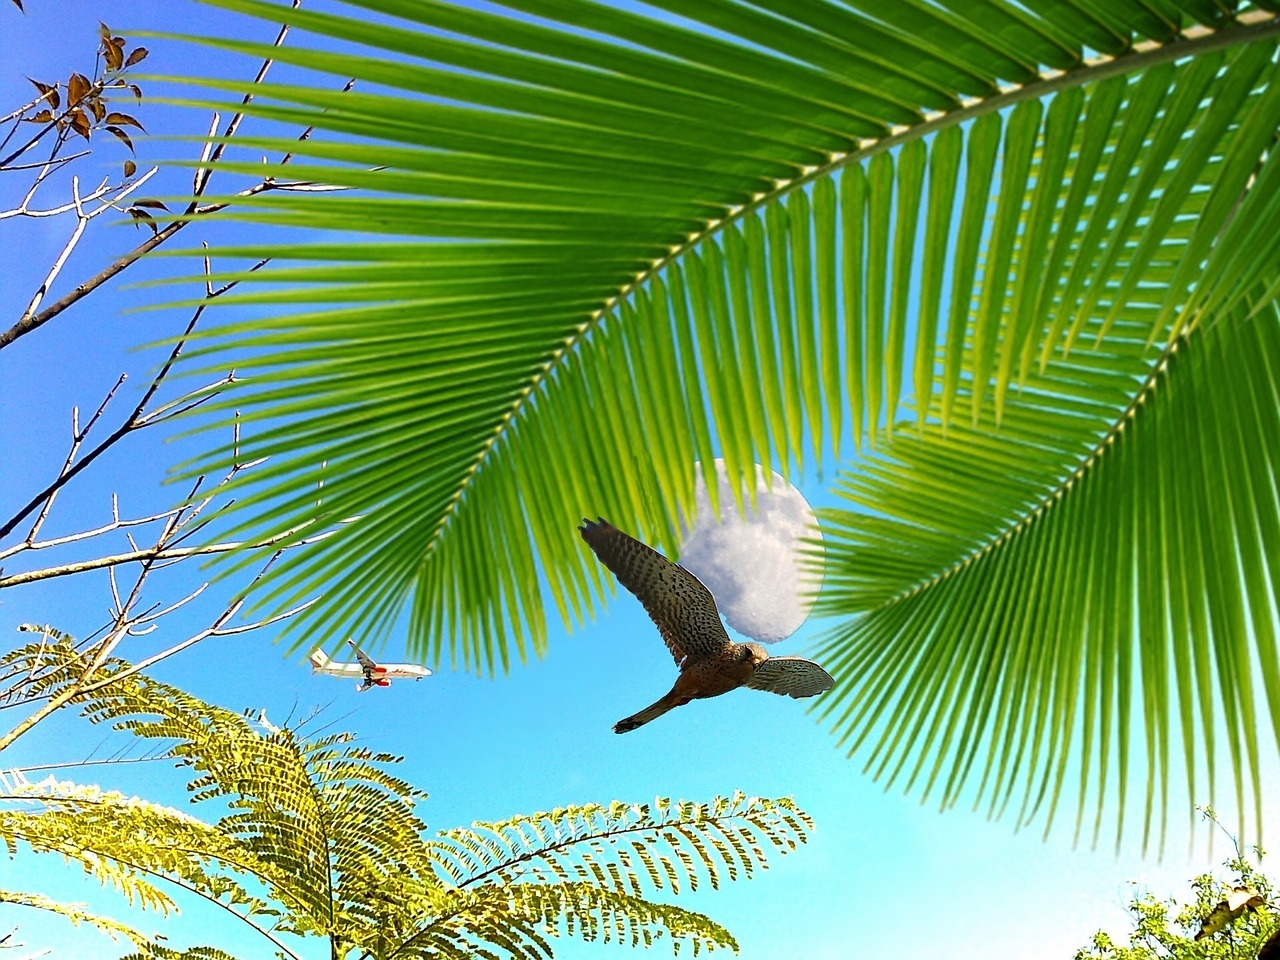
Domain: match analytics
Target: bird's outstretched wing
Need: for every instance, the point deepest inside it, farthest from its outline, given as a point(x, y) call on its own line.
point(674, 598)
point(791, 677)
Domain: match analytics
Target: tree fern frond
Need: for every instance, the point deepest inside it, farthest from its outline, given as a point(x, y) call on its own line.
point(610, 916)
point(675, 844)
point(306, 816)
point(75, 913)
point(332, 837)
point(464, 923)
point(129, 844)
point(519, 918)
point(44, 667)
point(157, 951)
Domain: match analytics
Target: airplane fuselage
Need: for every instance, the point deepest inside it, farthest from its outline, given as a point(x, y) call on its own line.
point(392, 671)
point(369, 672)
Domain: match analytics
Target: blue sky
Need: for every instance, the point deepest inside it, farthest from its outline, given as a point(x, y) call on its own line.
point(882, 876)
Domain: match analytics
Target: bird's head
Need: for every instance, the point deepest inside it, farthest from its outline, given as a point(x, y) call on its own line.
point(753, 653)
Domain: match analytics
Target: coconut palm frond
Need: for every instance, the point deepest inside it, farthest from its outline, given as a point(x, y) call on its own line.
point(598, 246)
point(1080, 601)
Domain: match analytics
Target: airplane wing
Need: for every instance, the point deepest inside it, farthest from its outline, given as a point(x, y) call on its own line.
point(366, 661)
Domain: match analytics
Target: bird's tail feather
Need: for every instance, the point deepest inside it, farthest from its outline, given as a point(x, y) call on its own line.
point(651, 712)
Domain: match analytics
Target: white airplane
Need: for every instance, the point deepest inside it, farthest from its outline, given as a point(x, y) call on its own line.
point(372, 674)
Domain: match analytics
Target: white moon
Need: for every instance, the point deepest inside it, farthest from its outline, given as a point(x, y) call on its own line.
point(753, 563)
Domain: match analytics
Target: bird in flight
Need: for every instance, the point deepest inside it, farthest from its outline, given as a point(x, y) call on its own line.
point(686, 614)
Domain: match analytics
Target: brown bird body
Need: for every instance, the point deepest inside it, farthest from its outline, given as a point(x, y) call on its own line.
point(689, 621)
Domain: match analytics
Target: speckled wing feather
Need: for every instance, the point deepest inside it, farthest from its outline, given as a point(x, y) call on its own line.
point(791, 677)
point(676, 600)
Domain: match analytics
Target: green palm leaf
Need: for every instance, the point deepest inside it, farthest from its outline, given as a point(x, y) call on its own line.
point(618, 271)
point(600, 246)
point(1050, 620)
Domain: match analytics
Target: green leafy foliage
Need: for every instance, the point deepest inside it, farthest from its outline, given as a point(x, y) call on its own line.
point(48, 666)
point(329, 841)
point(158, 951)
point(664, 843)
point(73, 912)
point(1166, 928)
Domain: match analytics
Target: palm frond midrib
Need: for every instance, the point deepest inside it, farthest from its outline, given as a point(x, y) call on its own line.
point(1254, 26)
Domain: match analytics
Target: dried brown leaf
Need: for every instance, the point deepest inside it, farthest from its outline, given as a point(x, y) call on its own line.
point(79, 123)
point(150, 204)
point(123, 137)
point(44, 116)
point(103, 30)
point(139, 54)
point(18, 4)
point(98, 107)
point(77, 86)
point(50, 93)
point(130, 168)
point(124, 120)
point(114, 54)
point(144, 217)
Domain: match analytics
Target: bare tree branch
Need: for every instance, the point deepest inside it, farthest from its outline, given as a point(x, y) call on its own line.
point(130, 424)
point(159, 539)
point(32, 320)
point(128, 620)
point(153, 554)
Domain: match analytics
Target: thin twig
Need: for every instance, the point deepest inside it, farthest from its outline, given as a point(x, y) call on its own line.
point(153, 554)
point(93, 91)
point(77, 438)
point(30, 319)
point(139, 419)
point(47, 167)
point(67, 764)
point(235, 122)
point(59, 161)
point(115, 524)
point(191, 641)
point(127, 426)
point(29, 105)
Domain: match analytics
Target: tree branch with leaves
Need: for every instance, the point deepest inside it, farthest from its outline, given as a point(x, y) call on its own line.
point(1231, 918)
point(333, 837)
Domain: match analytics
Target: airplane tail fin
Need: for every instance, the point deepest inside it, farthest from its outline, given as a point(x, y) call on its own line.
point(318, 661)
